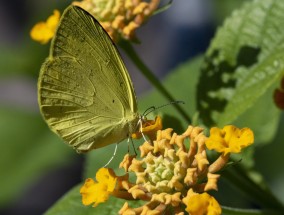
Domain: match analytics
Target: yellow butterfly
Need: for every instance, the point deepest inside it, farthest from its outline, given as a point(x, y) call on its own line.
point(84, 90)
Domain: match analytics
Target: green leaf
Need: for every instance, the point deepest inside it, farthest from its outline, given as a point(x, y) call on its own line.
point(71, 203)
point(238, 211)
point(269, 159)
point(244, 60)
point(264, 130)
point(29, 150)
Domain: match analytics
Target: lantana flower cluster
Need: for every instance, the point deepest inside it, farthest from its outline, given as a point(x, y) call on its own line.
point(173, 174)
point(120, 18)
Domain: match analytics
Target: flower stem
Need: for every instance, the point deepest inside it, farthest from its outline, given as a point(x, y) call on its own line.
point(219, 163)
point(128, 48)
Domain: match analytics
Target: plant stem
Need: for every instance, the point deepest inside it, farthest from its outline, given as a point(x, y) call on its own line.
point(128, 48)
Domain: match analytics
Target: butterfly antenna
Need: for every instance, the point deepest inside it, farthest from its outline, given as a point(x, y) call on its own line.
point(114, 153)
point(150, 110)
point(153, 108)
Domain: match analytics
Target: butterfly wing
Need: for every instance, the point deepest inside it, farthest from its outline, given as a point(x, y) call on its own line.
point(84, 91)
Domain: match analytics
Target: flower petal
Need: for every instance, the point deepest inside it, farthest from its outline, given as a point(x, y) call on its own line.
point(43, 31)
point(230, 139)
point(201, 204)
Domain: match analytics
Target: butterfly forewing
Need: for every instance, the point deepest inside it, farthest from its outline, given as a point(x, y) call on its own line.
point(85, 93)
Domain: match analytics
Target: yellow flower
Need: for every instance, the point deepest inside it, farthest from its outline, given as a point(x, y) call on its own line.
point(149, 128)
point(199, 204)
point(230, 139)
point(107, 184)
point(43, 31)
point(98, 192)
point(120, 18)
